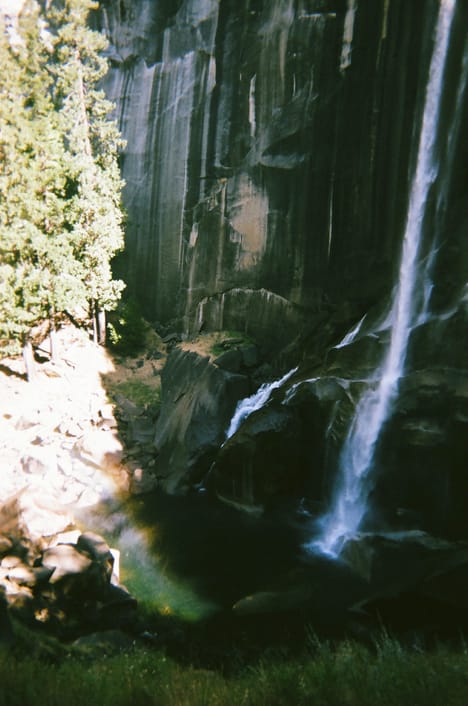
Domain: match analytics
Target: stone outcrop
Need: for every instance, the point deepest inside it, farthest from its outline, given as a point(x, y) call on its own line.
point(60, 452)
point(198, 400)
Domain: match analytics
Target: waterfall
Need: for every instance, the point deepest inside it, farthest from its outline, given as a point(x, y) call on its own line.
point(250, 404)
point(350, 499)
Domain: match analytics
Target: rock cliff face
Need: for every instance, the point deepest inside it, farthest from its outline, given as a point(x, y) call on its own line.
point(269, 148)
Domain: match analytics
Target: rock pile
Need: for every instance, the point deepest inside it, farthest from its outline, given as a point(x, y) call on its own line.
point(60, 454)
point(67, 583)
point(59, 445)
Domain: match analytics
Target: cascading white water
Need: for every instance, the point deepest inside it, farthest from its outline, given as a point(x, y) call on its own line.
point(351, 335)
point(350, 500)
point(250, 404)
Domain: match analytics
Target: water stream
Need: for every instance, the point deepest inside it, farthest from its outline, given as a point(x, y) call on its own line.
point(354, 483)
point(250, 404)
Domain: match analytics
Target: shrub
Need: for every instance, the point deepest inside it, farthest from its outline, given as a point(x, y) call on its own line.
point(126, 328)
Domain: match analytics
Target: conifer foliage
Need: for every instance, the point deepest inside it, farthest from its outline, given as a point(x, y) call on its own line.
point(60, 186)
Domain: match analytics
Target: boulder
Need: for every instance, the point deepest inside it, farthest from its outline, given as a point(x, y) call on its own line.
point(69, 537)
point(24, 575)
point(65, 560)
point(118, 609)
point(415, 580)
point(40, 461)
point(103, 643)
point(401, 558)
point(10, 562)
point(21, 600)
point(263, 462)
point(250, 355)
point(321, 591)
point(359, 357)
point(276, 601)
point(5, 545)
point(23, 423)
point(6, 628)
point(42, 514)
point(197, 402)
point(71, 427)
point(106, 414)
point(97, 548)
point(67, 585)
point(230, 360)
point(101, 449)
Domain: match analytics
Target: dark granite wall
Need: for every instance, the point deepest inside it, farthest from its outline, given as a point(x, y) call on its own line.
point(269, 154)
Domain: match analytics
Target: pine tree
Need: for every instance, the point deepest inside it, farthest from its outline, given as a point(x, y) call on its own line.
point(60, 211)
point(93, 144)
point(32, 243)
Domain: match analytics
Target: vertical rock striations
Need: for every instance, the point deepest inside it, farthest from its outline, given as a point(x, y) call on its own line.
point(268, 152)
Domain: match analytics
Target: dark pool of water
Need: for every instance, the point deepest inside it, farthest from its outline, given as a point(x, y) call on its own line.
point(193, 555)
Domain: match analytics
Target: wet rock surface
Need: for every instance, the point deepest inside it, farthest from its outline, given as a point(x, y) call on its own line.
point(290, 448)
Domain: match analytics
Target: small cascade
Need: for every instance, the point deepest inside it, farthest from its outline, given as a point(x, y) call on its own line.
point(350, 500)
point(351, 335)
point(250, 404)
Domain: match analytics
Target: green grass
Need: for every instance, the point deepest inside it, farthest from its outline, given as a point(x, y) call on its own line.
point(223, 337)
point(138, 392)
point(345, 675)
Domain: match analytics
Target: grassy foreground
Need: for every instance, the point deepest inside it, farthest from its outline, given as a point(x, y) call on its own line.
point(345, 675)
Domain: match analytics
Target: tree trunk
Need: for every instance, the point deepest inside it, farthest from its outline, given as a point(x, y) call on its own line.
point(29, 363)
point(53, 341)
point(99, 323)
point(84, 114)
point(101, 326)
point(95, 321)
